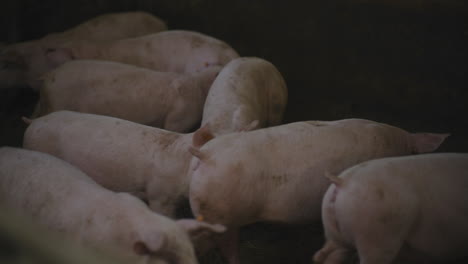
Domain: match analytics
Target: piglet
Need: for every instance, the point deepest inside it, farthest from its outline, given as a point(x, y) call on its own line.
point(22, 64)
point(277, 173)
point(110, 26)
point(172, 50)
point(247, 90)
point(63, 199)
point(173, 101)
point(410, 209)
point(120, 155)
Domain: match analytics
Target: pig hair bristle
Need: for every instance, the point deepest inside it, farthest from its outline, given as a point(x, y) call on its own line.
point(197, 153)
point(334, 179)
point(26, 120)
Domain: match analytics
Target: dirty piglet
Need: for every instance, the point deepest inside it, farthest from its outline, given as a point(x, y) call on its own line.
point(23, 63)
point(168, 100)
point(411, 209)
point(278, 173)
point(120, 155)
point(172, 51)
point(248, 90)
point(63, 199)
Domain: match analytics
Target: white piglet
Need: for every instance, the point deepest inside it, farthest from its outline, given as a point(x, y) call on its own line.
point(25, 62)
point(172, 50)
point(120, 155)
point(169, 100)
point(398, 210)
point(110, 26)
point(63, 199)
point(247, 90)
point(278, 173)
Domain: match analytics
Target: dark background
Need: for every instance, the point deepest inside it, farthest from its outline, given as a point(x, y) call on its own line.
point(401, 62)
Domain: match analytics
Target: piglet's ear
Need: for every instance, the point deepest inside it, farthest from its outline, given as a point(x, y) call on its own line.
point(201, 136)
point(427, 142)
point(149, 245)
point(203, 235)
point(58, 56)
point(199, 229)
point(253, 125)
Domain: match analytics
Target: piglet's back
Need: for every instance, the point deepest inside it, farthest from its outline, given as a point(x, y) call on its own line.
point(28, 182)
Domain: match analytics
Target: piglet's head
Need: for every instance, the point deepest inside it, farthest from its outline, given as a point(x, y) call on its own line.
point(426, 142)
point(42, 61)
point(58, 56)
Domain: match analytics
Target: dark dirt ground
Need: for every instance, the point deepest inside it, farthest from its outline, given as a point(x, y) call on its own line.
point(399, 62)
